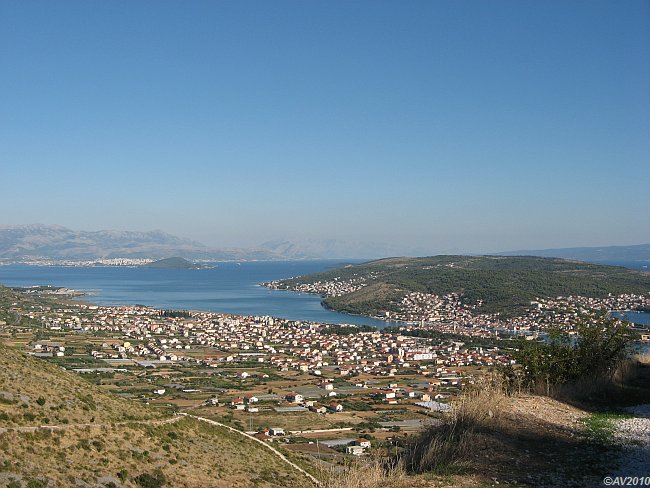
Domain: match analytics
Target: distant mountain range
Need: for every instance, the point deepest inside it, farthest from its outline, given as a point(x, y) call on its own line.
point(338, 249)
point(334, 248)
point(25, 242)
point(53, 242)
point(639, 253)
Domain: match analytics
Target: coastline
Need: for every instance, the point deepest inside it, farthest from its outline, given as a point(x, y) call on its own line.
point(383, 319)
point(71, 295)
point(230, 288)
point(50, 290)
point(270, 286)
point(624, 316)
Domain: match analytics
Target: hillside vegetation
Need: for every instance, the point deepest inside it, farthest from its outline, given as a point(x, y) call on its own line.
point(34, 392)
point(503, 283)
point(56, 429)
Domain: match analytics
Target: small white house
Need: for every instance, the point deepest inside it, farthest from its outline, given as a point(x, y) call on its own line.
point(335, 407)
point(355, 450)
point(295, 398)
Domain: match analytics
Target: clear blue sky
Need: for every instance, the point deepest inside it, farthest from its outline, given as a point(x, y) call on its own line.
point(476, 125)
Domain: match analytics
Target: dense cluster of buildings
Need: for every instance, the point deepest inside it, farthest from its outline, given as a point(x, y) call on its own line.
point(312, 347)
point(450, 314)
point(282, 344)
point(333, 288)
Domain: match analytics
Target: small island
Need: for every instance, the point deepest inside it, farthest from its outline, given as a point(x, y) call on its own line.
point(172, 263)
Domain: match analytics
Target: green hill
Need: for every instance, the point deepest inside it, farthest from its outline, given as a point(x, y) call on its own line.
point(505, 284)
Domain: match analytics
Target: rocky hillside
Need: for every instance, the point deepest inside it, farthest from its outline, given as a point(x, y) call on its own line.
point(56, 429)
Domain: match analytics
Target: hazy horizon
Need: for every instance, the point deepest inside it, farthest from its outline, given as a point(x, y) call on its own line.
point(428, 126)
point(332, 248)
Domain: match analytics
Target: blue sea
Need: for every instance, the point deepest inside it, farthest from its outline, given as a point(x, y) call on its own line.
point(227, 288)
point(639, 318)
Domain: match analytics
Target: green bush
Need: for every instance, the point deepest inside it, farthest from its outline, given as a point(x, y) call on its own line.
point(36, 484)
point(594, 351)
point(150, 480)
point(123, 475)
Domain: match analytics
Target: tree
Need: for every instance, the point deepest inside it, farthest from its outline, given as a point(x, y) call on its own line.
point(595, 350)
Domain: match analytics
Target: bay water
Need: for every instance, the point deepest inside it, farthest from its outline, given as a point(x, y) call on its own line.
point(227, 288)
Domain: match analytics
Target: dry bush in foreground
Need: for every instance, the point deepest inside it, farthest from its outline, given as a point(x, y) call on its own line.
point(447, 447)
point(367, 474)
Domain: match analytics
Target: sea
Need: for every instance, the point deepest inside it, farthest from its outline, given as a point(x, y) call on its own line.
point(226, 287)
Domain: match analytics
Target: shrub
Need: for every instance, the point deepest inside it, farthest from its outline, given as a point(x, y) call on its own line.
point(122, 475)
point(597, 349)
point(365, 474)
point(150, 480)
point(449, 446)
point(36, 484)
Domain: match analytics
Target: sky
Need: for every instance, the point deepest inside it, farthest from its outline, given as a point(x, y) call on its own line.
point(473, 126)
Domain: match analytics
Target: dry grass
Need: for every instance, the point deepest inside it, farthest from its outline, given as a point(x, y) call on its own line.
point(514, 439)
point(372, 473)
point(448, 447)
point(583, 390)
point(35, 392)
point(188, 454)
point(105, 439)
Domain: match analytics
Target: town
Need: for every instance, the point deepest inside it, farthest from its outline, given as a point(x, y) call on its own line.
point(450, 314)
point(301, 382)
